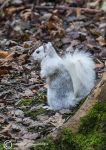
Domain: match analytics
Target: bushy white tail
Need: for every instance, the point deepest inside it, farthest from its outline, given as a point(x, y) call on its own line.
point(81, 68)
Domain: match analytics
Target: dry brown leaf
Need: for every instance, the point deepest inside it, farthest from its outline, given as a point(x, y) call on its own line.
point(9, 57)
point(5, 70)
point(51, 25)
point(101, 41)
point(22, 59)
point(6, 130)
point(13, 9)
point(99, 65)
point(3, 54)
point(10, 10)
point(26, 14)
point(55, 27)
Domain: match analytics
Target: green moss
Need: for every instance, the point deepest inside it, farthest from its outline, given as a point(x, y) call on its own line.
point(25, 102)
point(40, 97)
point(92, 131)
point(91, 142)
point(47, 144)
point(34, 113)
point(91, 134)
point(1, 147)
point(94, 120)
point(67, 141)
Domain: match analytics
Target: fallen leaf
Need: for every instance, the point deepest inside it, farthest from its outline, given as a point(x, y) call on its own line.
point(55, 27)
point(31, 136)
point(26, 14)
point(6, 130)
point(5, 69)
point(57, 120)
point(25, 144)
point(99, 65)
point(101, 41)
point(22, 59)
point(13, 9)
point(3, 54)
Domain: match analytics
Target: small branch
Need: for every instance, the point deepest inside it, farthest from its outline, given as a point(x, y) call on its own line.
point(83, 10)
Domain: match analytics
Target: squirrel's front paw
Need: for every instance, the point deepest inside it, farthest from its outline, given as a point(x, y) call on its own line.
point(47, 107)
point(42, 73)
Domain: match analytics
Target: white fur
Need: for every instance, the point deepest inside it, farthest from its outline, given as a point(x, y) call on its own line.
point(69, 79)
point(81, 68)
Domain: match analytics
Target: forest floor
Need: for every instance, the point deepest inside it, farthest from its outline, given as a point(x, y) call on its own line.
point(24, 26)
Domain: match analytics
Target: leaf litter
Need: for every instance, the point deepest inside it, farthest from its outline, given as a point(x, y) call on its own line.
point(24, 26)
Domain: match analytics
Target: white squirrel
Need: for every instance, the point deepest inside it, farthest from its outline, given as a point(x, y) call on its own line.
point(69, 78)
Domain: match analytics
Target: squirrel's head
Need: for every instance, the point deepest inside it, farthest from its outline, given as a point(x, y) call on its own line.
point(43, 51)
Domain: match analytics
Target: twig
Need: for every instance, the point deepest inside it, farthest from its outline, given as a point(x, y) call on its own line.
point(83, 10)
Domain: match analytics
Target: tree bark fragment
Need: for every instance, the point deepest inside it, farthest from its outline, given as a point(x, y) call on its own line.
point(83, 10)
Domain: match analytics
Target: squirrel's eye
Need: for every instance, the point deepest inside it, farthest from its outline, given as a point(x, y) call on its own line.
point(37, 52)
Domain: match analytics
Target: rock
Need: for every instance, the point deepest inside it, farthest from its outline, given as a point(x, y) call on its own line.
point(46, 16)
point(30, 136)
point(16, 128)
point(27, 121)
point(18, 113)
point(28, 93)
point(19, 120)
point(16, 2)
point(3, 43)
point(11, 43)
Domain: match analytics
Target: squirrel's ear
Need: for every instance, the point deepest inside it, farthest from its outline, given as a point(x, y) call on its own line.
point(49, 44)
point(45, 47)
